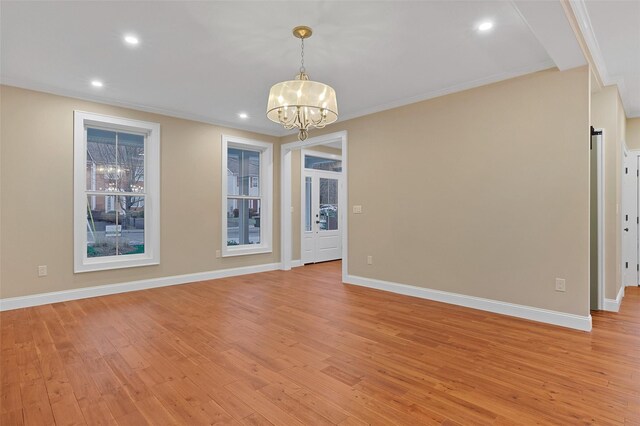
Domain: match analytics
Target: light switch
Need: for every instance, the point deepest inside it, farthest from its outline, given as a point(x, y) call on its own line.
point(357, 209)
point(42, 270)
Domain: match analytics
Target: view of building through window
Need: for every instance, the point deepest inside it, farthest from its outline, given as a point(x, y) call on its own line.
point(115, 193)
point(243, 197)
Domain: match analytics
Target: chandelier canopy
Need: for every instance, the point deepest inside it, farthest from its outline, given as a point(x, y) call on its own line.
point(302, 103)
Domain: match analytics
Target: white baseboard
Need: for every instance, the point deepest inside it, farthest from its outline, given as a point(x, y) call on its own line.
point(614, 305)
point(296, 263)
point(103, 290)
point(527, 312)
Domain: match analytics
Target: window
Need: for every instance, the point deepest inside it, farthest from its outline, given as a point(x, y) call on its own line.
point(247, 184)
point(322, 163)
point(116, 192)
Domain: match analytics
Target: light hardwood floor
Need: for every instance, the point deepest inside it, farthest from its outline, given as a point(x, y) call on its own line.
point(299, 347)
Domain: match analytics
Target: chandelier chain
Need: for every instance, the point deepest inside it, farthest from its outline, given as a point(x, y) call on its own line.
point(302, 69)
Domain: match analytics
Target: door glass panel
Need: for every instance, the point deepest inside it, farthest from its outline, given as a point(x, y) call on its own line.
point(319, 163)
point(328, 204)
point(308, 209)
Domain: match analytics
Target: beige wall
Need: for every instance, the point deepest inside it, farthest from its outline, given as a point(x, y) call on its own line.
point(296, 191)
point(483, 192)
point(607, 114)
point(37, 195)
point(633, 133)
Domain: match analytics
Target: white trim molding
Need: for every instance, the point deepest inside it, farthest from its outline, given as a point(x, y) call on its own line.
point(579, 8)
point(601, 191)
point(265, 196)
point(286, 242)
point(82, 122)
point(612, 305)
point(562, 319)
point(105, 290)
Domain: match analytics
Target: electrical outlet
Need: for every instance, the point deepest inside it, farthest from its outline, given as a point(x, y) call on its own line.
point(217, 253)
point(561, 284)
point(42, 270)
point(357, 209)
point(369, 260)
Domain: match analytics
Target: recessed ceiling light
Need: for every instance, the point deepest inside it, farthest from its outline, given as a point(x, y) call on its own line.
point(485, 26)
point(131, 39)
point(97, 83)
point(243, 115)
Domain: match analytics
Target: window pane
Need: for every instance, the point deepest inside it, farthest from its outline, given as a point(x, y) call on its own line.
point(328, 204)
point(101, 225)
point(115, 225)
point(131, 222)
point(115, 161)
point(243, 172)
point(319, 163)
point(130, 162)
point(243, 221)
point(308, 214)
point(101, 160)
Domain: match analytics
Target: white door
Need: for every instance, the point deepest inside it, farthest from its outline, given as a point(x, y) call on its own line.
point(629, 220)
point(321, 224)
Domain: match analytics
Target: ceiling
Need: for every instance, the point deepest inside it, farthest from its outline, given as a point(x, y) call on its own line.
point(210, 61)
point(612, 32)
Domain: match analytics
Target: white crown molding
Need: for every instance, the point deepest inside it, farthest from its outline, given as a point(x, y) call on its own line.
point(450, 90)
point(31, 85)
point(104, 290)
point(551, 27)
point(612, 305)
point(562, 319)
point(585, 31)
point(584, 22)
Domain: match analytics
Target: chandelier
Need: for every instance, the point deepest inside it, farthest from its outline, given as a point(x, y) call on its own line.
point(302, 103)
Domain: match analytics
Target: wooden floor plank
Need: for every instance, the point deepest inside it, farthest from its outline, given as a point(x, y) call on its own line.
point(300, 347)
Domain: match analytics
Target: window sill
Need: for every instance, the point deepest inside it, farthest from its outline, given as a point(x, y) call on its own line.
point(243, 251)
point(108, 264)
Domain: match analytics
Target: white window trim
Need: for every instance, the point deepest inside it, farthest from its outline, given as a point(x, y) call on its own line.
point(266, 206)
point(82, 263)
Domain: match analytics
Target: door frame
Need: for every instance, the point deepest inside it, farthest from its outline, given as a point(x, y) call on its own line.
point(635, 156)
point(286, 237)
point(599, 150)
point(314, 172)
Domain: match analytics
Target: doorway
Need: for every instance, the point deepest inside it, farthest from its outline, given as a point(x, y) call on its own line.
point(597, 221)
point(287, 230)
point(321, 224)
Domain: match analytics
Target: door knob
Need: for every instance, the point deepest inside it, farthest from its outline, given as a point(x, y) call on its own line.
point(317, 221)
point(626, 229)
